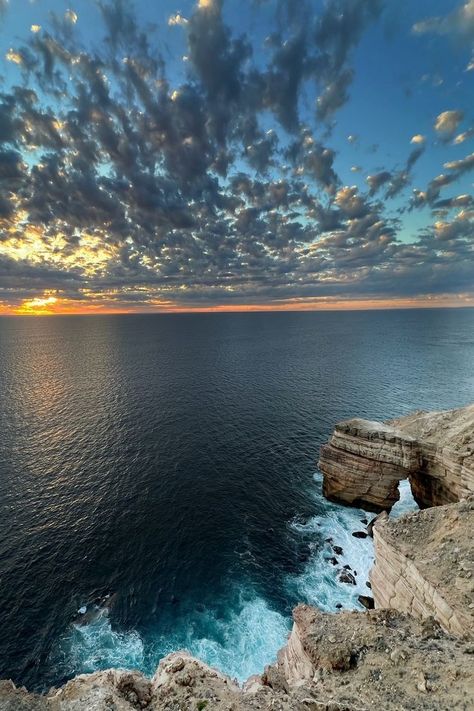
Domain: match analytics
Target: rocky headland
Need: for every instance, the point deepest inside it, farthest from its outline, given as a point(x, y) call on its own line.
point(414, 651)
point(364, 461)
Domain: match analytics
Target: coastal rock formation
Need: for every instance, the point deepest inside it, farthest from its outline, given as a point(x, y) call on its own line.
point(364, 461)
point(352, 661)
point(377, 659)
point(446, 441)
point(414, 651)
point(424, 565)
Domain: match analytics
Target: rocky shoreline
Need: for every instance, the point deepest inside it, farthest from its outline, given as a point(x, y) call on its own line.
point(414, 651)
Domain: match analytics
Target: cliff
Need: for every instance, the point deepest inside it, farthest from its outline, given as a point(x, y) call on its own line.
point(364, 461)
point(424, 565)
point(414, 651)
point(352, 661)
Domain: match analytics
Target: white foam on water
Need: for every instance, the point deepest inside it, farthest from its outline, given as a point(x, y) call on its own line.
point(319, 583)
point(248, 638)
point(406, 502)
point(240, 645)
point(94, 646)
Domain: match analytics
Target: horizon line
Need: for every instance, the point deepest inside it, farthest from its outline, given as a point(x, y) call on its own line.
point(239, 309)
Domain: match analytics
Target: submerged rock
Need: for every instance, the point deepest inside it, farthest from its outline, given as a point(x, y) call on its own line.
point(346, 577)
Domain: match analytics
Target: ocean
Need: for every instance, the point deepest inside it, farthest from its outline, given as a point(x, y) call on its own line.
point(158, 476)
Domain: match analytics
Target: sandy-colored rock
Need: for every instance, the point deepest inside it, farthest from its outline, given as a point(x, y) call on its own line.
point(396, 658)
point(446, 441)
point(424, 565)
point(351, 661)
point(364, 461)
point(377, 659)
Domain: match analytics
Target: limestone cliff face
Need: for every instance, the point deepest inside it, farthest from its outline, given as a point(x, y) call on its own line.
point(415, 651)
point(364, 461)
point(446, 442)
point(424, 565)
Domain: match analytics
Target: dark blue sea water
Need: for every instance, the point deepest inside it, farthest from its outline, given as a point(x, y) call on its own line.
point(171, 461)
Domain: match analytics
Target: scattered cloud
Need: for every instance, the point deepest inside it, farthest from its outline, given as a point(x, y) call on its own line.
point(121, 185)
point(462, 137)
point(459, 23)
point(177, 19)
point(71, 16)
point(447, 122)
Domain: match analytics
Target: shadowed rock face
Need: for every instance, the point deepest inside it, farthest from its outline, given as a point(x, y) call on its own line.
point(364, 461)
point(424, 565)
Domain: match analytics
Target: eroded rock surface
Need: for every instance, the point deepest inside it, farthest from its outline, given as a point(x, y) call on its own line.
point(446, 441)
point(364, 461)
point(424, 565)
point(377, 659)
point(352, 661)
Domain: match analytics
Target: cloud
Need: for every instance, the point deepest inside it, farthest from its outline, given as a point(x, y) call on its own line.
point(120, 182)
point(418, 139)
point(177, 19)
point(13, 56)
point(461, 166)
point(459, 23)
point(338, 30)
point(447, 122)
point(71, 16)
point(462, 137)
point(376, 180)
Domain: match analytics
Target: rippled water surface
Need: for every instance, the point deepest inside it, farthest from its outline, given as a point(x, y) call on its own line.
point(170, 461)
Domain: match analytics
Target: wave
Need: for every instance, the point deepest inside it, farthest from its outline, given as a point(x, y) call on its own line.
point(91, 647)
point(247, 636)
point(239, 645)
point(319, 584)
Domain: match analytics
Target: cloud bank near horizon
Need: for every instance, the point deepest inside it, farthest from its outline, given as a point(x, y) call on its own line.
point(133, 178)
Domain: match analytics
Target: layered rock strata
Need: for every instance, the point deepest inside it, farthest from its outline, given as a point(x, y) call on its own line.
point(424, 565)
point(351, 661)
point(446, 442)
point(364, 461)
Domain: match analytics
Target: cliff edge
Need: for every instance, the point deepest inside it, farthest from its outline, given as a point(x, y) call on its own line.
point(351, 661)
point(424, 565)
point(414, 651)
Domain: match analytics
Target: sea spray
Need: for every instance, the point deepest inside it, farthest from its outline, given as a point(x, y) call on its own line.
point(248, 635)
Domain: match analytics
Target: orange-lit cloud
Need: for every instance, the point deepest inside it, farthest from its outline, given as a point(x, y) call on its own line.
point(51, 304)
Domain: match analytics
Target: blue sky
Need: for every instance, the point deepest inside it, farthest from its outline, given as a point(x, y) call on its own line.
point(382, 72)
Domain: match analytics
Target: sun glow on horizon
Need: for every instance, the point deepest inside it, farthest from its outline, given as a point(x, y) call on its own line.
point(37, 305)
point(54, 304)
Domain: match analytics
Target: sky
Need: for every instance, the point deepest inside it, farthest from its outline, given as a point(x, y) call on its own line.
point(235, 155)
